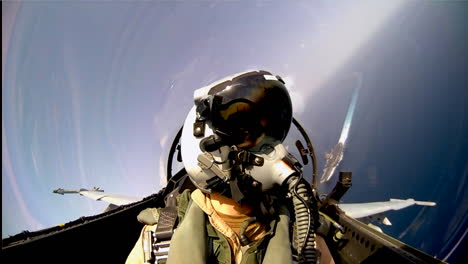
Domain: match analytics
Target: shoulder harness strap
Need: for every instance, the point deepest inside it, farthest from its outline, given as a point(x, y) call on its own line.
point(156, 244)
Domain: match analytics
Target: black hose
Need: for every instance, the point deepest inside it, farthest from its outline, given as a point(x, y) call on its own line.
point(305, 235)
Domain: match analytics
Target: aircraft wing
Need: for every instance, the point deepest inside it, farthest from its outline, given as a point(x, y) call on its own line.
point(99, 195)
point(116, 199)
point(361, 210)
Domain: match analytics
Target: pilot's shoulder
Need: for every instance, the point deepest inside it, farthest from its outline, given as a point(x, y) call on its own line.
point(150, 216)
point(183, 201)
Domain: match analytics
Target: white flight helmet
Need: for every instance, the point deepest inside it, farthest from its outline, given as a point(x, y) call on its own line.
point(231, 140)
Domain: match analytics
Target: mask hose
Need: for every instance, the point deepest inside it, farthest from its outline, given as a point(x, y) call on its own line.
point(305, 235)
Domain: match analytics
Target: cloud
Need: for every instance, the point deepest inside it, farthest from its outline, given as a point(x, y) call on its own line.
point(162, 173)
point(297, 98)
point(337, 43)
point(163, 140)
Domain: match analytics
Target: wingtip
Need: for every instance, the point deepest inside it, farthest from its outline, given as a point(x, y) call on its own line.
point(426, 203)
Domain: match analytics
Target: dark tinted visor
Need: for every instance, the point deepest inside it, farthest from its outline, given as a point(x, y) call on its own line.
point(251, 107)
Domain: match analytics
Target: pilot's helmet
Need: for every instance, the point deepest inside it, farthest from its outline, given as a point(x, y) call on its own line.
point(250, 111)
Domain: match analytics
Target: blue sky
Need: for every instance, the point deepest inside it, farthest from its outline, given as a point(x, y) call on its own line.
point(93, 92)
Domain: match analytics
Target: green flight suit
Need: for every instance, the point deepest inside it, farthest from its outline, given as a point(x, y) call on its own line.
point(196, 241)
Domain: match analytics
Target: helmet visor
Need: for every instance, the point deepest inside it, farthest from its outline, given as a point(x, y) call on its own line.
point(250, 110)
